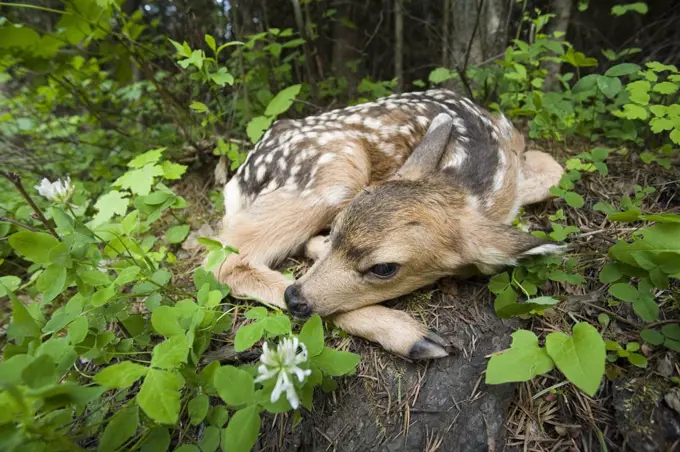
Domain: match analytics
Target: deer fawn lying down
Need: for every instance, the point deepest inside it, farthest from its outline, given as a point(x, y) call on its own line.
point(414, 187)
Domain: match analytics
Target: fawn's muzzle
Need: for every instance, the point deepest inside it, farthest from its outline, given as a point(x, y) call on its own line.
point(297, 305)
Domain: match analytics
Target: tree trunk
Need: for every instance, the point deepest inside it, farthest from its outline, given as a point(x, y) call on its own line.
point(559, 24)
point(479, 30)
point(399, 43)
point(344, 46)
point(299, 21)
point(445, 32)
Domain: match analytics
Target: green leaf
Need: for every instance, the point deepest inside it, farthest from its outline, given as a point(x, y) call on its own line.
point(218, 416)
point(439, 75)
point(187, 448)
point(637, 360)
point(11, 369)
point(257, 126)
point(653, 337)
point(51, 282)
point(209, 243)
point(610, 86)
point(282, 101)
point(521, 362)
point(139, 181)
point(624, 291)
point(34, 246)
point(675, 136)
point(173, 171)
point(622, 69)
point(247, 335)
point(638, 7)
point(661, 124)
point(127, 275)
point(335, 362)
point(146, 158)
point(610, 273)
point(170, 353)
point(120, 428)
point(177, 234)
point(632, 111)
point(211, 439)
point(639, 91)
point(665, 88)
point(95, 278)
point(165, 320)
point(671, 331)
point(9, 284)
point(277, 325)
point(585, 84)
point(580, 358)
point(646, 308)
point(40, 372)
point(211, 43)
point(574, 199)
point(198, 408)
point(242, 431)
point(159, 396)
point(102, 296)
point(234, 386)
point(121, 375)
point(59, 255)
point(222, 77)
point(157, 441)
point(23, 324)
point(312, 335)
point(78, 329)
point(199, 107)
point(110, 204)
point(256, 313)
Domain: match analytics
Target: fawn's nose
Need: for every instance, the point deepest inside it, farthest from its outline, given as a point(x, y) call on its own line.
point(297, 305)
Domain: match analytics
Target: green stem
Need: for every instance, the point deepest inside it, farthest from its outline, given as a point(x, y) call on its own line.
point(36, 7)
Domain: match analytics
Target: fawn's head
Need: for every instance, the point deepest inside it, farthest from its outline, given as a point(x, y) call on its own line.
point(404, 234)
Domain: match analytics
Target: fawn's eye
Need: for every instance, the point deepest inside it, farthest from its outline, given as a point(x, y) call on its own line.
point(384, 270)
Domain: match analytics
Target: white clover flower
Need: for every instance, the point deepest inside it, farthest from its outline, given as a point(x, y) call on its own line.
point(58, 191)
point(284, 363)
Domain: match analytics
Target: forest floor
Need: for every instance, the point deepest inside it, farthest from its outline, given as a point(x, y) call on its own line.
point(392, 404)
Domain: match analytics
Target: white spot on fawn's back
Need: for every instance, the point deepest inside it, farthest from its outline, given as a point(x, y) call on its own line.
point(326, 158)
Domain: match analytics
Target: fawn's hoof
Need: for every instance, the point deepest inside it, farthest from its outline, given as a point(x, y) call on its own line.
point(429, 347)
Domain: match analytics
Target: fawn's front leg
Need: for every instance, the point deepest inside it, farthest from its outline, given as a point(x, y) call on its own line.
point(394, 330)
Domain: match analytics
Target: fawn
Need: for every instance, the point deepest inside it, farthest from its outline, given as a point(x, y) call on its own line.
point(413, 187)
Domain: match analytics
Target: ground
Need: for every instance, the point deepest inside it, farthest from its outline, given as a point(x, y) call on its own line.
point(392, 404)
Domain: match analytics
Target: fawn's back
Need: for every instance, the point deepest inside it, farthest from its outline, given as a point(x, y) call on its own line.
point(373, 140)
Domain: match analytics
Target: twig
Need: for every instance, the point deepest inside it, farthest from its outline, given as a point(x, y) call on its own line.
point(25, 226)
point(616, 316)
point(15, 179)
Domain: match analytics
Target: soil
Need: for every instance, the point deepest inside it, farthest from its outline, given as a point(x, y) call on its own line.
point(396, 405)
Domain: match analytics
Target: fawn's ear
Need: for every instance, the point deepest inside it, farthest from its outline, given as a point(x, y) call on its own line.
point(426, 155)
point(500, 245)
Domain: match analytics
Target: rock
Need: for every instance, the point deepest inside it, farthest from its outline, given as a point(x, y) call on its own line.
point(673, 399)
point(191, 243)
point(643, 418)
point(221, 171)
point(395, 405)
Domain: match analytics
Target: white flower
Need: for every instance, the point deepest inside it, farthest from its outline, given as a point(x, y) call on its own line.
point(58, 191)
point(284, 363)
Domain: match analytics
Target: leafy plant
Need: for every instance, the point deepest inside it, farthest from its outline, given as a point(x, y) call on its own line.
point(89, 280)
point(580, 357)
